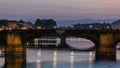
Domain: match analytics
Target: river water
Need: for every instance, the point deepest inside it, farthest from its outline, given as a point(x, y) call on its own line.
point(53, 58)
point(44, 58)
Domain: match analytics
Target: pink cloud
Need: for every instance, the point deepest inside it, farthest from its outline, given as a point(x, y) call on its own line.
point(110, 3)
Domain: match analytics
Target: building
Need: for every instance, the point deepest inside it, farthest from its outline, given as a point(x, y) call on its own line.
point(116, 25)
point(18, 25)
point(12, 25)
point(95, 26)
point(25, 25)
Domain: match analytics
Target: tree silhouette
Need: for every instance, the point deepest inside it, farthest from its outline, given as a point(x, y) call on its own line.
point(45, 23)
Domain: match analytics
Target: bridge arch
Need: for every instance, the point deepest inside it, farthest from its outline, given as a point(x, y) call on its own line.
point(117, 40)
point(94, 39)
point(77, 42)
point(25, 40)
point(3, 36)
point(3, 41)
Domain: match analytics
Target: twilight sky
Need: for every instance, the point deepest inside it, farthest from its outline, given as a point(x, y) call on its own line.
point(60, 9)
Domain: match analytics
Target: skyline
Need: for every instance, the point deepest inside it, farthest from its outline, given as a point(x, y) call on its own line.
point(60, 10)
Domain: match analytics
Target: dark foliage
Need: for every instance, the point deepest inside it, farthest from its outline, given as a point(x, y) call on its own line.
point(45, 23)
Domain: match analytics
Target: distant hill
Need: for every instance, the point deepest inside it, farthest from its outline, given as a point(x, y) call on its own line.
point(84, 21)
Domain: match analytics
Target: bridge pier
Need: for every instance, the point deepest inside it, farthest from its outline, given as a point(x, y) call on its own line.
point(106, 49)
point(63, 41)
point(15, 54)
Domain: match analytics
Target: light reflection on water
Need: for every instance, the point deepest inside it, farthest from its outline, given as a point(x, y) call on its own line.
point(2, 59)
point(60, 59)
point(55, 59)
point(72, 59)
point(39, 58)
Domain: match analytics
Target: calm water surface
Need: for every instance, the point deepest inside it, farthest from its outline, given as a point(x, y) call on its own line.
point(39, 58)
point(44, 58)
point(67, 59)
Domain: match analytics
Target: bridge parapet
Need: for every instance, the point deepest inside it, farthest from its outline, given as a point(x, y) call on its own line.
point(60, 32)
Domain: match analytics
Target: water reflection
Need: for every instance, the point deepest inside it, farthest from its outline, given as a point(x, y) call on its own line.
point(44, 41)
point(14, 63)
point(39, 58)
point(55, 59)
point(61, 59)
point(72, 59)
point(79, 43)
point(90, 60)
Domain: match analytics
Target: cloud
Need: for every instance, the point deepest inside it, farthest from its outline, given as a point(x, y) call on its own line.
point(108, 2)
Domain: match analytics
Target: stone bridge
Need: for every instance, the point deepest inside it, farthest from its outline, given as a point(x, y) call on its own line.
point(105, 41)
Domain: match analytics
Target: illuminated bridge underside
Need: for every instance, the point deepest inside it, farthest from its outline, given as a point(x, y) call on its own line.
point(105, 40)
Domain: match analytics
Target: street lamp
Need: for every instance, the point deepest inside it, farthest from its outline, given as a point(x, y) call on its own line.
point(54, 27)
point(39, 27)
point(91, 26)
point(108, 27)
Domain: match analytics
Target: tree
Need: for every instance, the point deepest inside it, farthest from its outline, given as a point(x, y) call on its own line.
point(3, 22)
point(21, 21)
point(46, 23)
point(37, 22)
